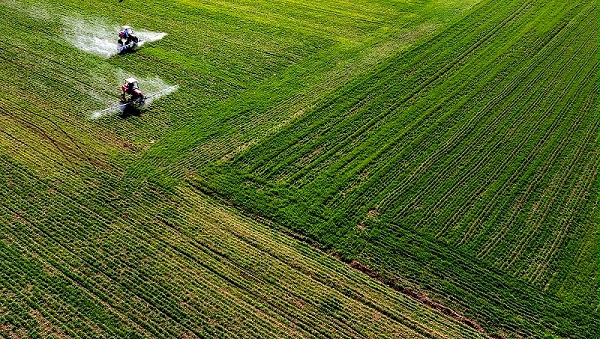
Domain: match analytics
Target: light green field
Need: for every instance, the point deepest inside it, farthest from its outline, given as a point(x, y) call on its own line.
point(449, 149)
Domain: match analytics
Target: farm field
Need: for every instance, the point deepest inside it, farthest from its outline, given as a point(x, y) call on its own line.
point(190, 268)
point(318, 169)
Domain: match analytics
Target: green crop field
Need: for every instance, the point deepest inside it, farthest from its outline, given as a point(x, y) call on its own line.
point(386, 168)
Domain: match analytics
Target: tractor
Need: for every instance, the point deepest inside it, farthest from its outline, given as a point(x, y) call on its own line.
point(127, 40)
point(131, 96)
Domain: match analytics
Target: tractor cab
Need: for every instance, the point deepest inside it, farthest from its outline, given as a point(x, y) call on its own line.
point(130, 85)
point(126, 32)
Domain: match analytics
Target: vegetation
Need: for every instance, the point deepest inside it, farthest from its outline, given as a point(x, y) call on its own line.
point(447, 149)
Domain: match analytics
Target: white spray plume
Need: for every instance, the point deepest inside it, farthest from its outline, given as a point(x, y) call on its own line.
point(100, 38)
point(153, 88)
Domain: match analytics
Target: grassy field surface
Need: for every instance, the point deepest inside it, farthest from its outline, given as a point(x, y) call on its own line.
point(448, 149)
point(475, 155)
point(168, 267)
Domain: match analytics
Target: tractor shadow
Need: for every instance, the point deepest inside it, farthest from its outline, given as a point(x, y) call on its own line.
point(126, 51)
point(128, 111)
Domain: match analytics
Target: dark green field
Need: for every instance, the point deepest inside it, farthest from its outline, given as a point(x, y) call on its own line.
point(324, 169)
